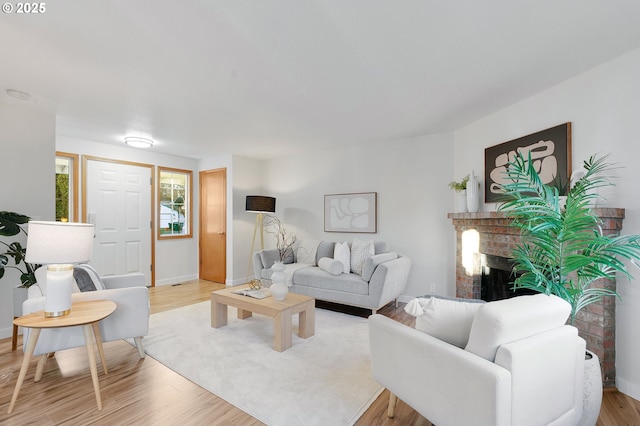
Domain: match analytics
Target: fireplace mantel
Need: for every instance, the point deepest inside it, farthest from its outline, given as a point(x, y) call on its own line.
point(496, 237)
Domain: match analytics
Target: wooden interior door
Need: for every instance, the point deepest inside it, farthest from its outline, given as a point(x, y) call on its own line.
point(213, 225)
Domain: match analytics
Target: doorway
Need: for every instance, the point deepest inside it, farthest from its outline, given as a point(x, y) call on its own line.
point(117, 199)
point(213, 225)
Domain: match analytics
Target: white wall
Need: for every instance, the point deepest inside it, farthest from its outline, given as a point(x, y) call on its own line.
point(247, 180)
point(603, 106)
point(410, 177)
point(27, 140)
point(176, 260)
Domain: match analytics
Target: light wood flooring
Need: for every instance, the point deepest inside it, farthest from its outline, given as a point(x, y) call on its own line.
point(144, 392)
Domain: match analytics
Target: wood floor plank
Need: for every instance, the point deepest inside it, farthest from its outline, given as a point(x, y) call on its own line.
point(145, 392)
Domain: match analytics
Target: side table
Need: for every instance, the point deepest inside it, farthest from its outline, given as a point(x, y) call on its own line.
point(85, 314)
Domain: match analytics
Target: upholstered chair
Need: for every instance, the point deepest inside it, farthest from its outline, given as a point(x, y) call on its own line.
point(129, 320)
point(517, 363)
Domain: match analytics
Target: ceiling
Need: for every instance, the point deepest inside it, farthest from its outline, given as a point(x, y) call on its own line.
point(259, 78)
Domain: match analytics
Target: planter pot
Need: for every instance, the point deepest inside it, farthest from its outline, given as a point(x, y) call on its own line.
point(19, 296)
point(592, 396)
point(461, 202)
point(279, 288)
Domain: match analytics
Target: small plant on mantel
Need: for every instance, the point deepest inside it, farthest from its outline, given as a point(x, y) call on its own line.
point(284, 239)
point(563, 249)
point(459, 186)
point(10, 225)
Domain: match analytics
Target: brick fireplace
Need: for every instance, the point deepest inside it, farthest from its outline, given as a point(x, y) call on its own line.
point(596, 323)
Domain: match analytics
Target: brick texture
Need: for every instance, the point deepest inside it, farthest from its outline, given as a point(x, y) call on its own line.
point(596, 323)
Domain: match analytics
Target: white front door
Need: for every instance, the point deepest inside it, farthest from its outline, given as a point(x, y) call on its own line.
point(118, 203)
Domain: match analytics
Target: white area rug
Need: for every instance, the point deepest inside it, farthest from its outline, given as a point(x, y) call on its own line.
point(323, 380)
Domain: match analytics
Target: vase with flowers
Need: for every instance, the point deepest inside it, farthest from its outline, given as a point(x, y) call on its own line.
point(284, 245)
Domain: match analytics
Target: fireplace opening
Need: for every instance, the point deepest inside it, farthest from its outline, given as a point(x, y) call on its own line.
point(497, 279)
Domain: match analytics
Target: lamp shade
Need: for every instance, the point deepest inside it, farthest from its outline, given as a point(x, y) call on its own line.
point(59, 242)
point(260, 204)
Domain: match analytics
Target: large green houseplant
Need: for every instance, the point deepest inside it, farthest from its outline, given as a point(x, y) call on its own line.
point(563, 249)
point(11, 224)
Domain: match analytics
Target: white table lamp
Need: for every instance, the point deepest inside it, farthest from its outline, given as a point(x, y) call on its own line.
point(59, 245)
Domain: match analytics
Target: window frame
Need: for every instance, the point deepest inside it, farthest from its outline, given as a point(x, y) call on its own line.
point(74, 160)
point(162, 233)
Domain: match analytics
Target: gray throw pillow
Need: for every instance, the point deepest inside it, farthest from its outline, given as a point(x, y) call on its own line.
point(269, 257)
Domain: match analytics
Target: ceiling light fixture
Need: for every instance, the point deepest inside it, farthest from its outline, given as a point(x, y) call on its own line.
point(23, 96)
point(138, 142)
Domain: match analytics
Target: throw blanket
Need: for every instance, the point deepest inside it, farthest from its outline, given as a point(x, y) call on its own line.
point(291, 269)
point(84, 281)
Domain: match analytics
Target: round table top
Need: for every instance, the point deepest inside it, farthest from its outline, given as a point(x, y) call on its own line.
point(81, 313)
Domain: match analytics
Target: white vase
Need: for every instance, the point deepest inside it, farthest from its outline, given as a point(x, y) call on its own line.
point(473, 193)
point(461, 201)
point(592, 394)
point(279, 288)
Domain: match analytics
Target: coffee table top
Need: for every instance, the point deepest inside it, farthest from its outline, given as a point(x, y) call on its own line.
point(81, 313)
point(227, 297)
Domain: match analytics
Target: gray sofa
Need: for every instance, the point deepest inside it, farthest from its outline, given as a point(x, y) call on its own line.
point(384, 276)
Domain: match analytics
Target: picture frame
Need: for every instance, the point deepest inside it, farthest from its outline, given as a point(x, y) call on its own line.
point(353, 212)
point(550, 151)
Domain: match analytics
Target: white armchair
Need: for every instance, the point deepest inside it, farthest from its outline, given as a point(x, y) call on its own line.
point(129, 320)
point(521, 366)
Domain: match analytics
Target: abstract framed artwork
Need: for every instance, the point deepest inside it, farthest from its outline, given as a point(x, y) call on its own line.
point(550, 151)
point(354, 212)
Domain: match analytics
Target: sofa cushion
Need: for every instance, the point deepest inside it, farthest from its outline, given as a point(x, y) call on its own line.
point(317, 278)
point(269, 257)
point(360, 251)
point(504, 321)
point(325, 249)
point(447, 320)
point(372, 262)
point(332, 266)
point(342, 253)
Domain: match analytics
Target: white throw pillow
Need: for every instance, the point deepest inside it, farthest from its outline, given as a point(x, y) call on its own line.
point(447, 320)
point(332, 266)
point(360, 251)
point(342, 253)
point(505, 321)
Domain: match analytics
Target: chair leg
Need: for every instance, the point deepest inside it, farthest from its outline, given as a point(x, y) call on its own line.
point(138, 341)
point(14, 337)
point(40, 367)
point(393, 399)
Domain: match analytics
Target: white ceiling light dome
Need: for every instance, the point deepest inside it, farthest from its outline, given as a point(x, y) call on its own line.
point(138, 142)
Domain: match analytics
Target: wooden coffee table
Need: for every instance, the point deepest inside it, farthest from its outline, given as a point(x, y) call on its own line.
point(280, 311)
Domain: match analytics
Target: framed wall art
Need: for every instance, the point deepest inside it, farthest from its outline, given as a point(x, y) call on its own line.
point(550, 152)
point(351, 212)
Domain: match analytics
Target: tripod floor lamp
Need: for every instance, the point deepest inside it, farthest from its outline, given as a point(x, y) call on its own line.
point(259, 204)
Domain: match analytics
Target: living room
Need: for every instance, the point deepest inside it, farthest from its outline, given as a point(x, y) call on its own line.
point(410, 175)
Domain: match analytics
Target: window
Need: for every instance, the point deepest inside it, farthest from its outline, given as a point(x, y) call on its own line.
point(66, 187)
point(174, 211)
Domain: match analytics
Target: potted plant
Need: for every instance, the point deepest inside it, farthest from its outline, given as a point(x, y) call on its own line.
point(461, 194)
point(11, 224)
point(563, 249)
